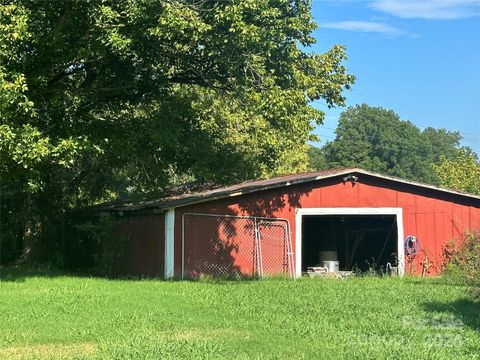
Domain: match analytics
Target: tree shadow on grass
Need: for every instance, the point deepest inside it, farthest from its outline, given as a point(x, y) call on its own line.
point(19, 273)
point(465, 309)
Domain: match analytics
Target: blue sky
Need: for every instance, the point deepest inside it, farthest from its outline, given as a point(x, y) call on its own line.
point(418, 58)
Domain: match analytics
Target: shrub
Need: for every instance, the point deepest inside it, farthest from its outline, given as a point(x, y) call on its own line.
point(462, 262)
point(109, 246)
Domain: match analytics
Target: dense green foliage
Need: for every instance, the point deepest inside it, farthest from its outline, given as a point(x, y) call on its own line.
point(357, 318)
point(316, 158)
point(463, 261)
point(377, 139)
point(98, 99)
point(461, 173)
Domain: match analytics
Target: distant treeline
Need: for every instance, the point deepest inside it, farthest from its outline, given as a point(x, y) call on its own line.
point(377, 139)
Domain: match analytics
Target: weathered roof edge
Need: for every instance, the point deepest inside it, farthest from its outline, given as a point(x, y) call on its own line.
point(254, 186)
point(417, 184)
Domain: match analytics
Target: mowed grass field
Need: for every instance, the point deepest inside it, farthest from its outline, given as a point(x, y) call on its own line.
point(66, 317)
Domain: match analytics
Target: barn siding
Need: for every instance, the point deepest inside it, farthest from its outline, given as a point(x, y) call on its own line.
point(145, 244)
point(433, 217)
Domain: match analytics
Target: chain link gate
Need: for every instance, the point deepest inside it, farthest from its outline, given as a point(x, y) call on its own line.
point(235, 246)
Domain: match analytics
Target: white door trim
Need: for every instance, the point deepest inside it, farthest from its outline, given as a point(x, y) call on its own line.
point(299, 213)
point(169, 243)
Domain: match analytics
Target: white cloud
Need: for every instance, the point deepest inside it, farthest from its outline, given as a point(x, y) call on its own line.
point(364, 26)
point(428, 9)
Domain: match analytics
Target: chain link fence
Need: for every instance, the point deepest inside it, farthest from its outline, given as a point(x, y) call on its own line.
point(235, 246)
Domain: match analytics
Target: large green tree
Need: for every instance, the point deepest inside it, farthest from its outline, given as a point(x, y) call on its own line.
point(316, 158)
point(462, 173)
point(377, 139)
point(101, 98)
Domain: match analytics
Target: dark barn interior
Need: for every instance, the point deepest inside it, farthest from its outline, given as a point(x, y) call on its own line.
point(358, 241)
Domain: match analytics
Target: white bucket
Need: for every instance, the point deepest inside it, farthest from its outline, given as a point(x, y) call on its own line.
point(332, 266)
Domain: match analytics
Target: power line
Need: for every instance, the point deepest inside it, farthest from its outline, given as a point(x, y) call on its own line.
point(331, 137)
point(466, 132)
point(422, 127)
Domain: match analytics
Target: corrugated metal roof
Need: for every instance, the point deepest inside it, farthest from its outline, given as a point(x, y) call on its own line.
point(184, 195)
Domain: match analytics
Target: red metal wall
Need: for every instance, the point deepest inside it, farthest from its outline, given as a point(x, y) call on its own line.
point(144, 235)
point(433, 217)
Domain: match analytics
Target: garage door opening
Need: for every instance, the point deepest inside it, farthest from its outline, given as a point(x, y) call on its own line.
point(357, 242)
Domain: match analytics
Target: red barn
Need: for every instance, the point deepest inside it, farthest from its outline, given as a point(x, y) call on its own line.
point(355, 218)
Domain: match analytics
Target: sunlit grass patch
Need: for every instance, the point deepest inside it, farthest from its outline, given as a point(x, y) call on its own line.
point(49, 351)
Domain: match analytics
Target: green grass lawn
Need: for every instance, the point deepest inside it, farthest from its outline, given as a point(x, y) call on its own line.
point(54, 316)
